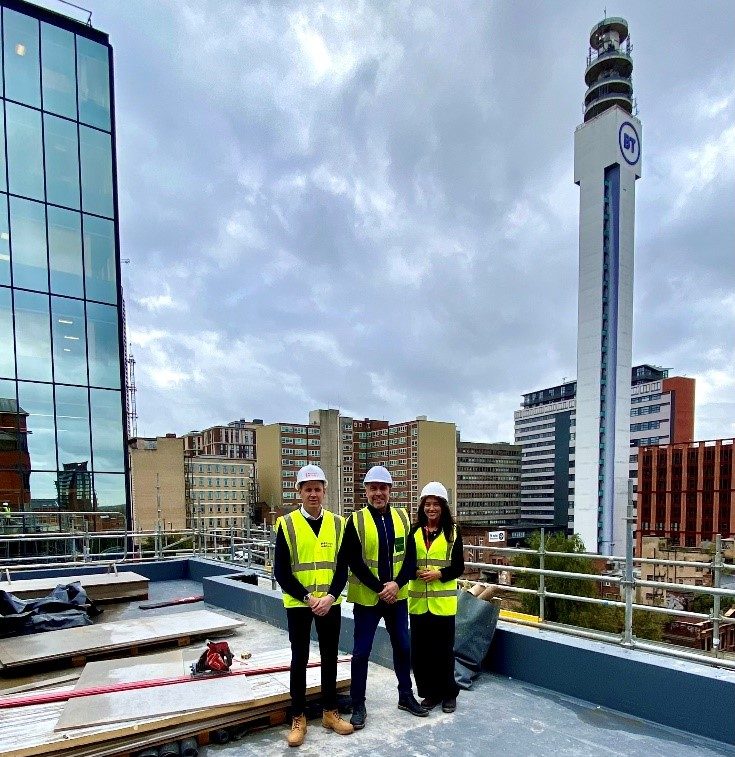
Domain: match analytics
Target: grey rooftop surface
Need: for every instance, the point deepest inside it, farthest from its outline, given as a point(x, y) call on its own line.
point(499, 716)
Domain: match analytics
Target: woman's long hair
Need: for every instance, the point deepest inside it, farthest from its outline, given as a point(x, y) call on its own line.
point(446, 521)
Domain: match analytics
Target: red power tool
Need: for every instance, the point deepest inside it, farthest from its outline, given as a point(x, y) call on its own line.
point(216, 658)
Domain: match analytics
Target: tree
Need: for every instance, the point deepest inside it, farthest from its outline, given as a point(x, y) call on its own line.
point(646, 625)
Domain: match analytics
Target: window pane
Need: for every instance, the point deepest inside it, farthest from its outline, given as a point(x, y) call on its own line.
point(43, 491)
point(28, 229)
point(74, 485)
point(65, 251)
point(110, 491)
point(99, 259)
point(7, 352)
point(3, 184)
point(22, 74)
point(25, 151)
point(102, 336)
point(62, 165)
point(107, 431)
point(37, 401)
point(72, 425)
point(14, 460)
point(4, 240)
point(32, 338)
point(94, 83)
point(70, 343)
point(96, 152)
point(59, 83)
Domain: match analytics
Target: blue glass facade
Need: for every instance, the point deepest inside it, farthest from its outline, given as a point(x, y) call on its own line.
point(62, 431)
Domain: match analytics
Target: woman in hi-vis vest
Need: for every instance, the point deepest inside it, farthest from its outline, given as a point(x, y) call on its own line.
point(436, 547)
point(305, 566)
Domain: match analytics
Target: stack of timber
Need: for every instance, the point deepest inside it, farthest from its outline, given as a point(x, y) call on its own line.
point(122, 722)
point(100, 587)
point(75, 646)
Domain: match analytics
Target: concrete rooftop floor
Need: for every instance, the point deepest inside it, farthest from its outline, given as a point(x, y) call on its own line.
point(499, 716)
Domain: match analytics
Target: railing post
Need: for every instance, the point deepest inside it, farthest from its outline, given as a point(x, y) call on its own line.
point(628, 583)
point(85, 547)
point(716, 598)
point(232, 543)
point(158, 550)
point(542, 577)
point(271, 555)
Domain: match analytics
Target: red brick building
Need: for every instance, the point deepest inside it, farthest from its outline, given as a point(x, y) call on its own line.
point(685, 492)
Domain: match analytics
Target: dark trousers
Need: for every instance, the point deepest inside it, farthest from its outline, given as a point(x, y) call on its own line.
point(299, 634)
point(366, 623)
point(432, 656)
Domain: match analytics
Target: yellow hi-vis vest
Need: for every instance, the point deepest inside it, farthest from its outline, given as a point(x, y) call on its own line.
point(367, 533)
point(437, 597)
point(313, 557)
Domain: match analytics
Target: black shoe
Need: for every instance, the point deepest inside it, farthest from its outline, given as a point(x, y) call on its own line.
point(359, 716)
point(449, 705)
point(428, 703)
point(408, 703)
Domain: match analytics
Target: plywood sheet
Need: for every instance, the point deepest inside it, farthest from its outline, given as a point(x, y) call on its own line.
point(183, 698)
point(106, 637)
point(99, 586)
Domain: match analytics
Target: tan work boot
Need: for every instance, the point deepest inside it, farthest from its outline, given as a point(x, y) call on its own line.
point(298, 731)
point(332, 720)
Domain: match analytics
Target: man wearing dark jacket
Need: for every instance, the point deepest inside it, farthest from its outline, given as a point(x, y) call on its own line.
point(375, 545)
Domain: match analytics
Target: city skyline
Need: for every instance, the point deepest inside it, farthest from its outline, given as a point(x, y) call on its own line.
point(375, 210)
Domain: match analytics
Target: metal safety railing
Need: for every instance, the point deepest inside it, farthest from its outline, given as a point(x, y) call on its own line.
point(238, 541)
point(629, 584)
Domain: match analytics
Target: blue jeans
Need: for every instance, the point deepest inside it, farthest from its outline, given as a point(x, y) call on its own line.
point(366, 623)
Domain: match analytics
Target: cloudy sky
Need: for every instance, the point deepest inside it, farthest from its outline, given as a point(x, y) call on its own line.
point(370, 205)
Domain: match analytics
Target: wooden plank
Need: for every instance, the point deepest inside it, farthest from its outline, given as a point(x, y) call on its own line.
point(208, 693)
point(30, 731)
point(100, 587)
point(104, 638)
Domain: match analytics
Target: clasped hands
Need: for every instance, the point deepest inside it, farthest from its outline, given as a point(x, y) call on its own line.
point(428, 575)
point(389, 594)
point(320, 606)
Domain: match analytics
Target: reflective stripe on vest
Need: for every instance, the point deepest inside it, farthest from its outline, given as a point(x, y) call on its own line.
point(313, 557)
point(367, 533)
point(437, 597)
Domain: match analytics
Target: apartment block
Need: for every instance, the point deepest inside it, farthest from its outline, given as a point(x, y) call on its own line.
point(488, 483)
point(662, 410)
point(220, 491)
point(685, 492)
point(157, 476)
point(235, 440)
point(415, 452)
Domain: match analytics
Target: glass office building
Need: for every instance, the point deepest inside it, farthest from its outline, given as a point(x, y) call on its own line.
point(62, 398)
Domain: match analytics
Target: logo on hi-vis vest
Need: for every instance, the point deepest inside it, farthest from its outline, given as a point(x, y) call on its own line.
point(400, 544)
point(325, 544)
point(630, 143)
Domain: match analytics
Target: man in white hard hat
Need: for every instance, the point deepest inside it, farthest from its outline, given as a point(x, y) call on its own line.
point(375, 546)
point(312, 578)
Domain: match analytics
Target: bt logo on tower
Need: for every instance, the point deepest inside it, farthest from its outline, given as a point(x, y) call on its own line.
point(630, 143)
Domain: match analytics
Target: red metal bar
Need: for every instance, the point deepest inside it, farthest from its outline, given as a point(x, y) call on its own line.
point(171, 602)
point(49, 697)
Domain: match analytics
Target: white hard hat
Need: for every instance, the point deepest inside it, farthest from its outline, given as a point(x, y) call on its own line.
point(310, 473)
point(378, 475)
point(434, 489)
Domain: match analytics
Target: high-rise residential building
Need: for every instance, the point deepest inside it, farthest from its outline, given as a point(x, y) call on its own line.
point(607, 163)
point(158, 483)
point(661, 411)
point(235, 440)
point(686, 492)
point(220, 491)
point(488, 483)
point(415, 452)
point(61, 368)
